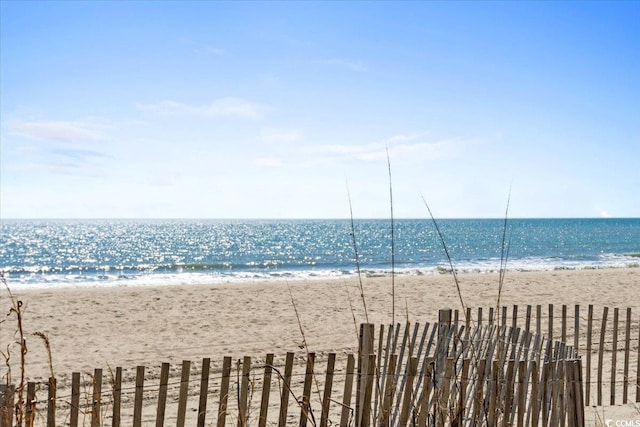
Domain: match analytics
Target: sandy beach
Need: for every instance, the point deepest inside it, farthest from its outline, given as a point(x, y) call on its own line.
point(93, 328)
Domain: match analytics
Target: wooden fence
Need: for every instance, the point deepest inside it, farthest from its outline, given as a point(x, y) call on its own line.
point(441, 374)
point(607, 342)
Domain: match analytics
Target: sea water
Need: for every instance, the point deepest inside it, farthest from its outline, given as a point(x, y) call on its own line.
point(54, 253)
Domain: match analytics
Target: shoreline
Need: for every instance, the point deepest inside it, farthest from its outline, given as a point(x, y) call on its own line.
point(189, 278)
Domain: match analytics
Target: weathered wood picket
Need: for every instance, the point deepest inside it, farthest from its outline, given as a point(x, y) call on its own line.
point(599, 341)
point(442, 374)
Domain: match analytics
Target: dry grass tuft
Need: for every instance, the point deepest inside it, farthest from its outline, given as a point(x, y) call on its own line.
point(16, 312)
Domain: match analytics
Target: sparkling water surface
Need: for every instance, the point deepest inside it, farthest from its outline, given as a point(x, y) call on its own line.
point(49, 253)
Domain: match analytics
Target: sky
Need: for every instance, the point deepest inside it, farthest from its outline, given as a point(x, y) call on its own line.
point(288, 109)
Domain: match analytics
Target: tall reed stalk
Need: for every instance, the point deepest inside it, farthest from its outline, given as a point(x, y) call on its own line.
point(446, 252)
point(357, 257)
point(504, 254)
point(393, 247)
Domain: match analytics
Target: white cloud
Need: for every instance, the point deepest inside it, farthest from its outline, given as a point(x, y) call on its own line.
point(72, 169)
point(60, 131)
point(407, 137)
point(228, 106)
point(404, 147)
point(62, 147)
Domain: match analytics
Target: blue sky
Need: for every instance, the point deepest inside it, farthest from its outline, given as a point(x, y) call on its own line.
point(269, 110)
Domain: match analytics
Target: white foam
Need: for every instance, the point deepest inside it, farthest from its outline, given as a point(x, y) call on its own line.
point(44, 279)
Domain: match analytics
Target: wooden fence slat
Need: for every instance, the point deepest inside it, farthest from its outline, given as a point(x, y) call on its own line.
point(515, 333)
point(243, 391)
point(305, 409)
point(578, 392)
point(420, 356)
point(545, 385)
point(427, 350)
point(284, 397)
point(412, 343)
point(638, 368)
point(456, 323)
point(223, 404)
point(387, 352)
point(550, 318)
point(346, 413)
point(445, 396)
point(399, 365)
point(30, 413)
point(365, 348)
point(477, 387)
point(493, 393)
point(539, 320)
point(75, 399)
point(503, 320)
point(565, 386)
point(478, 396)
point(368, 388)
point(508, 393)
point(527, 324)
point(387, 399)
point(423, 404)
point(614, 356)
point(51, 403)
point(589, 342)
point(162, 394)
point(533, 411)
point(359, 368)
point(184, 390)
point(408, 395)
point(603, 329)
point(570, 395)
point(396, 337)
point(97, 398)
point(328, 383)
point(532, 375)
point(557, 408)
point(204, 389)
point(7, 404)
point(479, 316)
point(464, 385)
point(627, 349)
point(522, 390)
point(576, 329)
point(137, 406)
point(564, 324)
point(266, 390)
point(378, 387)
point(514, 315)
point(117, 398)
point(525, 345)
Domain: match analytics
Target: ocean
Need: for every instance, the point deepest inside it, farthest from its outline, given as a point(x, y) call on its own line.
point(69, 253)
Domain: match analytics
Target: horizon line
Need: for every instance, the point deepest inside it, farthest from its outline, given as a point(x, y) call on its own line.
point(302, 218)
